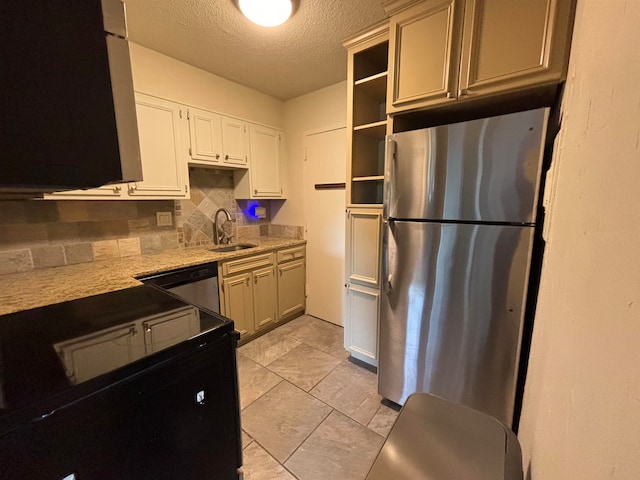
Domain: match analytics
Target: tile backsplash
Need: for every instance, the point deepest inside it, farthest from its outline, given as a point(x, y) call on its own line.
point(48, 233)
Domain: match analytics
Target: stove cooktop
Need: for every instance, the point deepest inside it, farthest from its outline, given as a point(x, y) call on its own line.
point(53, 355)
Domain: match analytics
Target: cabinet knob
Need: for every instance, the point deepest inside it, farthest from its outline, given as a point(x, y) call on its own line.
point(255, 191)
point(217, 156)
point(226, 157)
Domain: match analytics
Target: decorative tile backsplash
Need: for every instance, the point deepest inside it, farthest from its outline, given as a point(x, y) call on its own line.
point(47, 233)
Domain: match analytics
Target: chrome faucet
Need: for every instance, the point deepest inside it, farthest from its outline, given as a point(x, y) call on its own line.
point(219, 235)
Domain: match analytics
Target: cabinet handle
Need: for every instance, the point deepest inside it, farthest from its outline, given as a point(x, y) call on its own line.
point(217, 156)
point(132, 187)
point(280, 272)
point(255, 280)
point(226, 157)
point(255, 191)
point(117, 188)
point(247, 281)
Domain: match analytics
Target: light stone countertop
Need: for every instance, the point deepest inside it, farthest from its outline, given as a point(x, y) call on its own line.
point(37, 288)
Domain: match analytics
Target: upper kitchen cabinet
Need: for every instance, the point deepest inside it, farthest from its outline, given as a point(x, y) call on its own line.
point(217, 140)
point(263, 179)
point(424, 54)
point(511, 45)
point(163, 131)
point(449, 50)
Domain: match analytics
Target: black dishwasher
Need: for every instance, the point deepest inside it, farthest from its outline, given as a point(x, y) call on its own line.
point(133, 384)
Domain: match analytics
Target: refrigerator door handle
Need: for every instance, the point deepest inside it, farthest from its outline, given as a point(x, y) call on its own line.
point(389, 176)
point(386, 274)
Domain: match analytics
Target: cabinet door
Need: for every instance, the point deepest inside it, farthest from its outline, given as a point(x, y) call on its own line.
point(163, 135)
point(205, 133)
point(363, 246)
point(238, 302)
point(291, 288)
point(106, 192)
point(361, 325)
point(509, 45)
point(424, 51)
point(264, 297)
point(265, 161)
point(235, 142)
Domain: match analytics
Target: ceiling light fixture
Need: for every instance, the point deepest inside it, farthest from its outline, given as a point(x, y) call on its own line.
point(267, 13)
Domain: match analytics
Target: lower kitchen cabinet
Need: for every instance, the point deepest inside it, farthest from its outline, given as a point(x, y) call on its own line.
point(255, 297)
point(250, 297)
point(264, 297)
point(363, 272)
point(291, 282)
point(361, 329)
point(238, 302)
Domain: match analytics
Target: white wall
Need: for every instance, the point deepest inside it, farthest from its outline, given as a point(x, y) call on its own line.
point(326, 107)
point(581, 414)
point(163, 76)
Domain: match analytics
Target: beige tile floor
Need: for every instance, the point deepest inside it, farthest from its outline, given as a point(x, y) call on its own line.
point(307, 412)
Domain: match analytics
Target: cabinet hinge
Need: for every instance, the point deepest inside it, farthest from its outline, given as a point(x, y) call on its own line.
point(188, 117)
point(222, 287)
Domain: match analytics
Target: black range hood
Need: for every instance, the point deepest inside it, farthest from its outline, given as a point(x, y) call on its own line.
point(67, 108)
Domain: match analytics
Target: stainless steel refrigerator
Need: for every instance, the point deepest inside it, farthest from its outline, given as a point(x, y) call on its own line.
point(459, 216)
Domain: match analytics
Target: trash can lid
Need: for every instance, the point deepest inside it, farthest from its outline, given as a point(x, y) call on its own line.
point(437, 439)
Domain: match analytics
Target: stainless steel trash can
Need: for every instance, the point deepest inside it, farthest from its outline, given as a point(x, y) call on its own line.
point(434, 439)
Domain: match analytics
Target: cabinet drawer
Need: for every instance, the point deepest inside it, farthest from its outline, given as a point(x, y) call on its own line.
point(248, 263)
point(290, 254)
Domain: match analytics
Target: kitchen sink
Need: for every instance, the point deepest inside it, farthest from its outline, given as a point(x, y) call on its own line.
point(232, 248)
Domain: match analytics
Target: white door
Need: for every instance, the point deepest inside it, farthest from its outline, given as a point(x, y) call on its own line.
point(325, 164)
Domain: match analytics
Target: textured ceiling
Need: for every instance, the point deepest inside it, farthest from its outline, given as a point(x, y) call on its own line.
point(295, 58)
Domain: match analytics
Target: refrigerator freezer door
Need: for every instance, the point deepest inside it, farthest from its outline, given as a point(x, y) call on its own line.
point(451, 312)
point(484, 170)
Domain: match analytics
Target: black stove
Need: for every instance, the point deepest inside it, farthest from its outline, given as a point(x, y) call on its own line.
point(137, 364)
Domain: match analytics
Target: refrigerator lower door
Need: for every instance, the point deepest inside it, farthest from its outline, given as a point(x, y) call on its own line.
point(452, 312)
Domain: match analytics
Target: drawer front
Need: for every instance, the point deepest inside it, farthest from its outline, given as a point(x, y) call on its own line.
point(248, 263)
point(290, 254)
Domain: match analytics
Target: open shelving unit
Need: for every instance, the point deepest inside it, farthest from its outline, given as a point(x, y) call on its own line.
point(367, 122)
